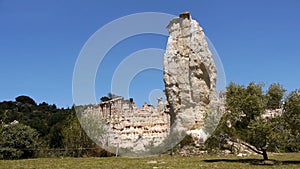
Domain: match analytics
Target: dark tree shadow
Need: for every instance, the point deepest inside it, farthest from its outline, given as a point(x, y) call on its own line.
point(255, 161)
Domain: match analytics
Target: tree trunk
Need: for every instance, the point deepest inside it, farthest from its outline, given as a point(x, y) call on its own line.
point(265, 155)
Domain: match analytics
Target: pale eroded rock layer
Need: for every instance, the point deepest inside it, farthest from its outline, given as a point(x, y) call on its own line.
point(127, 126)
point(189, 74)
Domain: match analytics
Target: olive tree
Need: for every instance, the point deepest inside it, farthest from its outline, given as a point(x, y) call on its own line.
point(244, 120)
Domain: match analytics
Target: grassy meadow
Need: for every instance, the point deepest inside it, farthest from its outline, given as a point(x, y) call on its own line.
point(282, 161)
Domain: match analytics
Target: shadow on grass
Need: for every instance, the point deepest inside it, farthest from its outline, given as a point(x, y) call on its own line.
point(255, 161)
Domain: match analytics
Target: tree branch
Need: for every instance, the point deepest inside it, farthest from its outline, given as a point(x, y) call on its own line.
point(254, 149)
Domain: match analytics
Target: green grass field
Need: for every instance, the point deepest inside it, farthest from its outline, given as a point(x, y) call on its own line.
point(284, 161)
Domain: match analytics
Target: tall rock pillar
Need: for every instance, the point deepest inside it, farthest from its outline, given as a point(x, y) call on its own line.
point(189, 74)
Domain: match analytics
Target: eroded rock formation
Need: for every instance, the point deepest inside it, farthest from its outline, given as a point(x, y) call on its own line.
point(190, 86)
point(131, 128)
point(189, 74)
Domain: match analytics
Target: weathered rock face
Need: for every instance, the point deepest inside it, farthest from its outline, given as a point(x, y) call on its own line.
point(129, 127)
point(189, 74)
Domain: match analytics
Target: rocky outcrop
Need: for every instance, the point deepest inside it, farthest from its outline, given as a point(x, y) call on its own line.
point(128, 127)
point(189, 74)
point(269, 113)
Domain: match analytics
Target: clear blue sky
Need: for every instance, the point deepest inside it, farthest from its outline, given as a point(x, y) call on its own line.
point(257, 40)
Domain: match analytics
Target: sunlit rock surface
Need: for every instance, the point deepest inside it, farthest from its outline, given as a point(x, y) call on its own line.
point(189, 74)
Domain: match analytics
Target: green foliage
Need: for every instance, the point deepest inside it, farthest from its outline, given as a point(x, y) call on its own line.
point(94, 126)
point(292, 110)
point(187, 140)
point(104, 99)
point(260, 131)
point(18, 141)
point(274, 96)
point(291, 116)
point(77, 141)
point(235, 94)
point(245, 107)
point(25, 99)
point(46, 119)
point(217, 141)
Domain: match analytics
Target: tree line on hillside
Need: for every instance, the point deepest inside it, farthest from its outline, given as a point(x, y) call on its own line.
point(29, 130)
